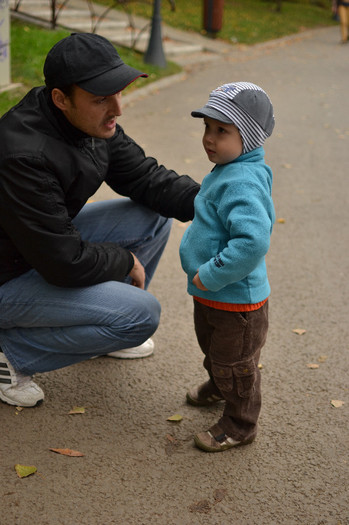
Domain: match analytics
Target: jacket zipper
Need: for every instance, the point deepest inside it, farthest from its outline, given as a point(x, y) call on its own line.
point(89, 151)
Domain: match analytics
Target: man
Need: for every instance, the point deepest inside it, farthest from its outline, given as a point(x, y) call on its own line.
point(73, 276)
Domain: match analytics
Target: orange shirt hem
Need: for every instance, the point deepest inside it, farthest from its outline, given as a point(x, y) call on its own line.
point(230, 307)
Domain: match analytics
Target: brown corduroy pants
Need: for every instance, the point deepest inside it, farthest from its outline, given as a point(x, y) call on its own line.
point(232, 343)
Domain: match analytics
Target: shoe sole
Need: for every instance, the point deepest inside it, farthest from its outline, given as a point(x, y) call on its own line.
point(8, 401)
point(227, 446)
point(130, 356)
point(123, 356)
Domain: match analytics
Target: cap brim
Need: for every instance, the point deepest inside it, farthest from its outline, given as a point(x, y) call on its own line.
point(206, 111)
point(111, 81)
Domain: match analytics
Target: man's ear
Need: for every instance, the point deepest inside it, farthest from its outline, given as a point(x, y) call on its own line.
point(59, 99)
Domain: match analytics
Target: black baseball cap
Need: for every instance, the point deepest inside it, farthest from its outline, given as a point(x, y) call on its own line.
point(91, 62)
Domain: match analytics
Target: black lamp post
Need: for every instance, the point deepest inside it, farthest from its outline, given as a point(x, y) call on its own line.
point(155, 53)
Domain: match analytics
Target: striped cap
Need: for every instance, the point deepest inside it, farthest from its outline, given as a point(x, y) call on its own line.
point(245, 105)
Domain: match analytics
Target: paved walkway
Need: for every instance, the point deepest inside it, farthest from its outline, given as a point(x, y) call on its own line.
point(141, 469)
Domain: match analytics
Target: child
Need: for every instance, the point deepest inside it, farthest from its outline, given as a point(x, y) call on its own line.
point(223, 253)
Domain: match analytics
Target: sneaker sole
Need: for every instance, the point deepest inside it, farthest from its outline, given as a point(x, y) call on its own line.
point(130, 356)
point(123, 356)
point(200, 444)
point(8, 401)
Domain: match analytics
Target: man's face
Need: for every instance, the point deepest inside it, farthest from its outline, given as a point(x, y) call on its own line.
point(94, 115)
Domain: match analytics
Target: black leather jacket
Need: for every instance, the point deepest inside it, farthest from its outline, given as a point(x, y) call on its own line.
point(48, 170)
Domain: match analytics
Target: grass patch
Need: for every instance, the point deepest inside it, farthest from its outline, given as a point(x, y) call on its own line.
point(244, 21)
point(29, 47)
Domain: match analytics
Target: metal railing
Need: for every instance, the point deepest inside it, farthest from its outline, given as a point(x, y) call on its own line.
point(96, 17)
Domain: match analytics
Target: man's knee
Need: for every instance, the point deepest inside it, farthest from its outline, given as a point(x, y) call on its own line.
point(145, 317)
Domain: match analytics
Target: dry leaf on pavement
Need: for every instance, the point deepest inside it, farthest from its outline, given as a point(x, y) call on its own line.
point(67, 452)
point(337, 403)
point(322, 358)
point(175, 417)
point(77, 410)
point(299, 331)
point(25, 470)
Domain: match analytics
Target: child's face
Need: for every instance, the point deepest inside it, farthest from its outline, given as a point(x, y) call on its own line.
point(222, 142)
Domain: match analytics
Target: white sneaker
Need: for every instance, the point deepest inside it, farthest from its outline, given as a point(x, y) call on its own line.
point(136, 352)
point(17, 389)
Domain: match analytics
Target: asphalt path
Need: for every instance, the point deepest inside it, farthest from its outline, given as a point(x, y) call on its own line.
point(139, 468)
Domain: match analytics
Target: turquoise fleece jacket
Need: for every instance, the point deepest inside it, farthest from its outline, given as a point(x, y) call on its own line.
point(230, 234)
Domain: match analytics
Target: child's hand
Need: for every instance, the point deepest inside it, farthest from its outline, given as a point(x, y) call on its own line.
point(196, 281)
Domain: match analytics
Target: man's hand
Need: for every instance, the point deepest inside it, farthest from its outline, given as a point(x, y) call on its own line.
point(197, 282)
point(137, 273)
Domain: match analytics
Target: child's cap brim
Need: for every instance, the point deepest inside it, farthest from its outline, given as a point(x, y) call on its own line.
point(207, 111)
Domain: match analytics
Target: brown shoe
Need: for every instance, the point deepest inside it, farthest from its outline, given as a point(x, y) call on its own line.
point(216, 440)
point(204, 395)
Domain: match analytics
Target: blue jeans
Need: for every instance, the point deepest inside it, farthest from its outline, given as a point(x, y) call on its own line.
point(45, 327)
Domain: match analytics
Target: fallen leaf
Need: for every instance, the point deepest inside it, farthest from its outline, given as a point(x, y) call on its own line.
point(67, 452)
point(19, 409)
point(313, 365)
point(286, 165)
point(337, 403)
point(281, 220)
point(322, 358)
point(25, 470)
point(175, 417)
point(77, 410)
point(299, 331)
point(260, 366)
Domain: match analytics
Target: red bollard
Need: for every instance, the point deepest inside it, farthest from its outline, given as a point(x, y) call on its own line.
point(213, 16)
